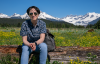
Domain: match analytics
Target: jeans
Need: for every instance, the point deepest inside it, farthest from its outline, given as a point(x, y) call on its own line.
point(41, 48)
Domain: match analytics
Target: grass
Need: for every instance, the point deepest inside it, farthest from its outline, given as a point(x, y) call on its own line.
point(63, 37)
point(8, 59)
point(91, 60)
point(76, 37)
point(10, 36)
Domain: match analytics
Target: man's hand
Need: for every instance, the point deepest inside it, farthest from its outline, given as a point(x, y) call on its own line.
point(33, 46)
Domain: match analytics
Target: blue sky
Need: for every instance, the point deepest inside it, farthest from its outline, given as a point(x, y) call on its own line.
point(56, 8)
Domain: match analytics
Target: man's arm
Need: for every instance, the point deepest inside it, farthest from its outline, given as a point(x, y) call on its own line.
point(24, 38)
point(42, 37)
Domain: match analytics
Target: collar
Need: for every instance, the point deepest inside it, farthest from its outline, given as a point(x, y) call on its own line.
point(36, 24)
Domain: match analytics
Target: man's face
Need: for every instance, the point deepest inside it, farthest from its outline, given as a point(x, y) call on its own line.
point(33, 14)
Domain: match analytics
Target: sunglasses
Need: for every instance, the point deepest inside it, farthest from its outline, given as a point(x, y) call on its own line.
point(35, 13)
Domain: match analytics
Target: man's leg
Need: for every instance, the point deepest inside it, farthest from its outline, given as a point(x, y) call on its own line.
point(25, 54)
point(43, 53)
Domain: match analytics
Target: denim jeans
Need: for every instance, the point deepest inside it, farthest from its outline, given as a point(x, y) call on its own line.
point(41, 48)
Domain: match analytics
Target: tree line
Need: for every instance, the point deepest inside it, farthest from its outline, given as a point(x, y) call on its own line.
point(8, 22)
point(95, 26)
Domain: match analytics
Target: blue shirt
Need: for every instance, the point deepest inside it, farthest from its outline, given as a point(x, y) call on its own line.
point(32, 32)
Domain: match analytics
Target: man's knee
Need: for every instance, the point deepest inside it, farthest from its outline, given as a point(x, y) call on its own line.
point(26, 50)
point(43, 46)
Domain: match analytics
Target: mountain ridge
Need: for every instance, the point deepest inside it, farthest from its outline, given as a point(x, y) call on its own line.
point(74, 19)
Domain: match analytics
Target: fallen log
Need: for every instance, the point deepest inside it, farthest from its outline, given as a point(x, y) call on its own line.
point(61, 53)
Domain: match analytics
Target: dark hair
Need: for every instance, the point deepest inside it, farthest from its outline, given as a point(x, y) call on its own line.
point(36, 8)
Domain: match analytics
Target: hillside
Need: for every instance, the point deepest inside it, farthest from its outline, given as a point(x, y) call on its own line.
point(17, 23)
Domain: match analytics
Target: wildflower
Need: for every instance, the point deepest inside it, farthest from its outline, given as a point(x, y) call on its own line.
point(78, 58)
point(89, 62)
point(71, 60)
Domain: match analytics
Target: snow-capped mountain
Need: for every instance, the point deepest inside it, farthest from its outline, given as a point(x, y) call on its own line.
point(4, 15)
point(89, 18)
point(82, 19)
point(25, 16)
point(16, 16)
point(43, 15)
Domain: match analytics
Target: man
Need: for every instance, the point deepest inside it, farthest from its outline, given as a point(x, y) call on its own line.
point(33, 34)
